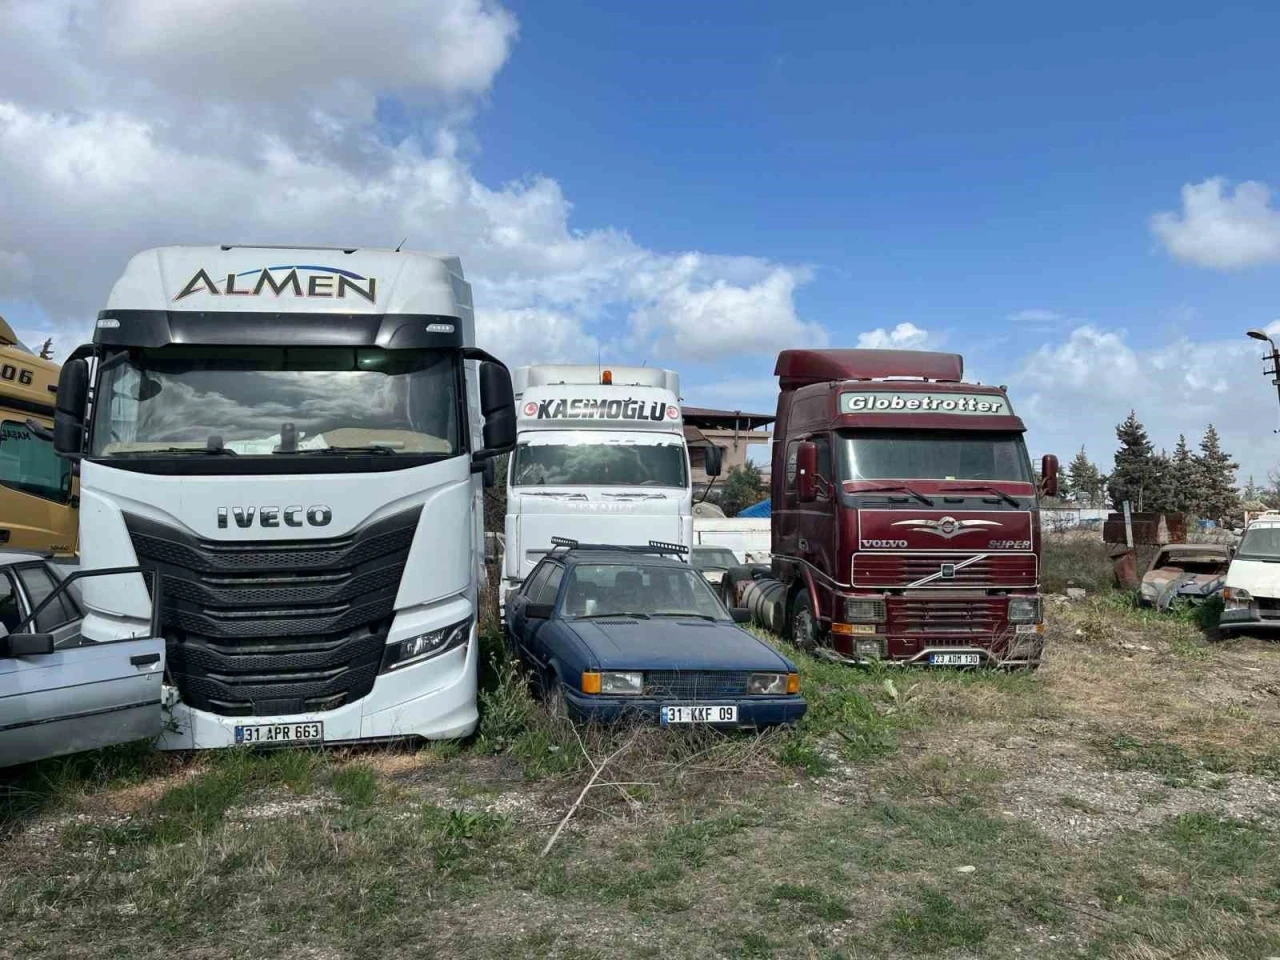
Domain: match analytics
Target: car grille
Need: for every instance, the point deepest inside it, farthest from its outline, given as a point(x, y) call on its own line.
point(695, 684)
point(899, 570)
point(270, 628)
point(938, 621)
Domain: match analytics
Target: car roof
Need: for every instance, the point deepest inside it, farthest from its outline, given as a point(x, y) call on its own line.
point(1192, 549)
point(9, 557)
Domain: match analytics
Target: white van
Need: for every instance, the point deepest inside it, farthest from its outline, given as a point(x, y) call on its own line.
point(1252, 592)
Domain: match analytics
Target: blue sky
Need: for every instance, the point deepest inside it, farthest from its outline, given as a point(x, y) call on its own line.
point(980, 178)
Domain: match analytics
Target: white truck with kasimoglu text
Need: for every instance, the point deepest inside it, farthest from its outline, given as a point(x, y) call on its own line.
point(600, 457)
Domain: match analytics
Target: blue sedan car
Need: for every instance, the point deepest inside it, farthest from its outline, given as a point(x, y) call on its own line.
point(630, 631)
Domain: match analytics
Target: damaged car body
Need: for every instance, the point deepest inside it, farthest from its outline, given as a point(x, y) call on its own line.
point(1189, 572)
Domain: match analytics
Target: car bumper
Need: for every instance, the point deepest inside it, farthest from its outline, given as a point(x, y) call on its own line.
point(1250, 618)
point(753, 712)
point(433, 700)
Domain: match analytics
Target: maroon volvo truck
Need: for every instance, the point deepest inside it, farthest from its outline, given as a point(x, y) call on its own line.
point(905, 514)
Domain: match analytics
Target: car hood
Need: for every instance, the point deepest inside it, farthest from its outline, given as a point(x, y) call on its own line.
point(1260, 578)
point(672, 643)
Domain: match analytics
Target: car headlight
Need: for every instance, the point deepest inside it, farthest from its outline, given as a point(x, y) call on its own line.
point(424, 646)
point(1024, 609)
point(776, 684)
point(863, 610)
point(1237, 598)
point(621, 683)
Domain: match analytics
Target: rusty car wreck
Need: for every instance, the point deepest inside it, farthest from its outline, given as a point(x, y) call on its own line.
point(1190, 572)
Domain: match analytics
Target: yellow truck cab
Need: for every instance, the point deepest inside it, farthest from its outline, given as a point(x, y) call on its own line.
point(38, 498)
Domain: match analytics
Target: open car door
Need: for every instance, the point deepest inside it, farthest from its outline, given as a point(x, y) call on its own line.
point(82, 694)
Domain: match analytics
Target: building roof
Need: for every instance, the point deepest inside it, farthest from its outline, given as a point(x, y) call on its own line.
point(725, 419)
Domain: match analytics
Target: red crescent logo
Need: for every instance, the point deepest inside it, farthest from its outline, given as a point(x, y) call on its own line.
point(530, 409)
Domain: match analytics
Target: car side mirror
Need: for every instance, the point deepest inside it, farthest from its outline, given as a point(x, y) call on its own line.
point(1049, 476)
point(71, 400)
point(806, 471)
point(498, 404)
point(741, 615)
point(539, 611)
point(26, 645)
point(713, 460)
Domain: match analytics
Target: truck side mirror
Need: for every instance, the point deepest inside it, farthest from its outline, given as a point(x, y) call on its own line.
point(69, 408)
point(490, 474)
point(1049, 475)
point(498, 404)
point(713, 460)
point(806, 471)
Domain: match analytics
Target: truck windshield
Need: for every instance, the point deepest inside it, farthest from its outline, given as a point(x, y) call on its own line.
point(276, 400)
point(599, 465)
point(932, 455)
point(1260, 543)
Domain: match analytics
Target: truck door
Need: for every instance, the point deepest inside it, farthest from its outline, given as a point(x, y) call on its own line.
point(59, 698)
point(817, 524)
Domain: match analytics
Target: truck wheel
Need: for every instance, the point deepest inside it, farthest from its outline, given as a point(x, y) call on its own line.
point(803, 624)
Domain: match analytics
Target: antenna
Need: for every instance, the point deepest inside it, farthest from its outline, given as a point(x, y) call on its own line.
point(401, 244)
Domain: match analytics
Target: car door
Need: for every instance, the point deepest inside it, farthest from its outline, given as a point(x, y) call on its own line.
point(544, 593)
point(79, 696)
point(522, 598)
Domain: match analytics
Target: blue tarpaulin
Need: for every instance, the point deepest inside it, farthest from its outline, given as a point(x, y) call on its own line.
point(761, 509)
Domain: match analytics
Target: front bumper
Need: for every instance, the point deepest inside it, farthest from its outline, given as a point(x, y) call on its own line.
point(433, 700)
point(1249, 617)
point(753, 712)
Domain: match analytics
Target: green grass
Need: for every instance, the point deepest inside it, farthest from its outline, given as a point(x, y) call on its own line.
point(1073, 561)
point(356, 785)
point(1181, 767)
point(937, 923)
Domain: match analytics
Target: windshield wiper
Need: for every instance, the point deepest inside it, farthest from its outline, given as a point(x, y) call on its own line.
point(999, 493)
point(897, 486)
point(597, 616)
point(370, 448)
point(203, 451)
point(695, 616)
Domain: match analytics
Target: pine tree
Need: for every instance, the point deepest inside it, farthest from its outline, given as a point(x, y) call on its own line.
point(1086, 481)
point(1183, 479)
point(1133, 465)
point(1158, 488)
point(1252, 492)
point(1216, 474)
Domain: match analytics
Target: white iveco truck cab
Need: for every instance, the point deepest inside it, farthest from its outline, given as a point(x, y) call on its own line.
point(293, 441)
point(600, 458)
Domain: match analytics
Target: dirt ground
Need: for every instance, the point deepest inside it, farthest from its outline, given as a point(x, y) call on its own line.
point(1123, 801)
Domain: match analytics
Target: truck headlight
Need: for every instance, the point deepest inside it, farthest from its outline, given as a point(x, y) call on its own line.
point(1024, 609)
point(869, 610)
point(427, 645)
point(614, 683)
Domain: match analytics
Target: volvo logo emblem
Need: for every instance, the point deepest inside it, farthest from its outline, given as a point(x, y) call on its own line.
point(948, 527)
point(317, 515)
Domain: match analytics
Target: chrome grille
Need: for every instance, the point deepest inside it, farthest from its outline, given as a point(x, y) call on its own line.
point(902, 570)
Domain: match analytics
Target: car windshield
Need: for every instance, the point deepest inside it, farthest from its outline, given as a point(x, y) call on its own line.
point(713, 558)
point(29, 464)
point(601, 589)
point(272, 400)
point(599, 465)
point(932, 455)
point(1260, 543)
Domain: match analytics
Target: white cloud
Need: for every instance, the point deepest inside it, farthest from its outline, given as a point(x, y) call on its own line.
point(238, 121)
point(15, 273)
point(1076, 390)
point(528, 332)
point(904, 336)
point(1221, 228)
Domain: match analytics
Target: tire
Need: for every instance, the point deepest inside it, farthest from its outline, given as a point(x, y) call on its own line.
point(802, 624)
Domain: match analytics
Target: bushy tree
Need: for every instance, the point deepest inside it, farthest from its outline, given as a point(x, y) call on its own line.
point(1086, 481)
point(1133, 474)
point(743, 486)
point(1216, 496)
